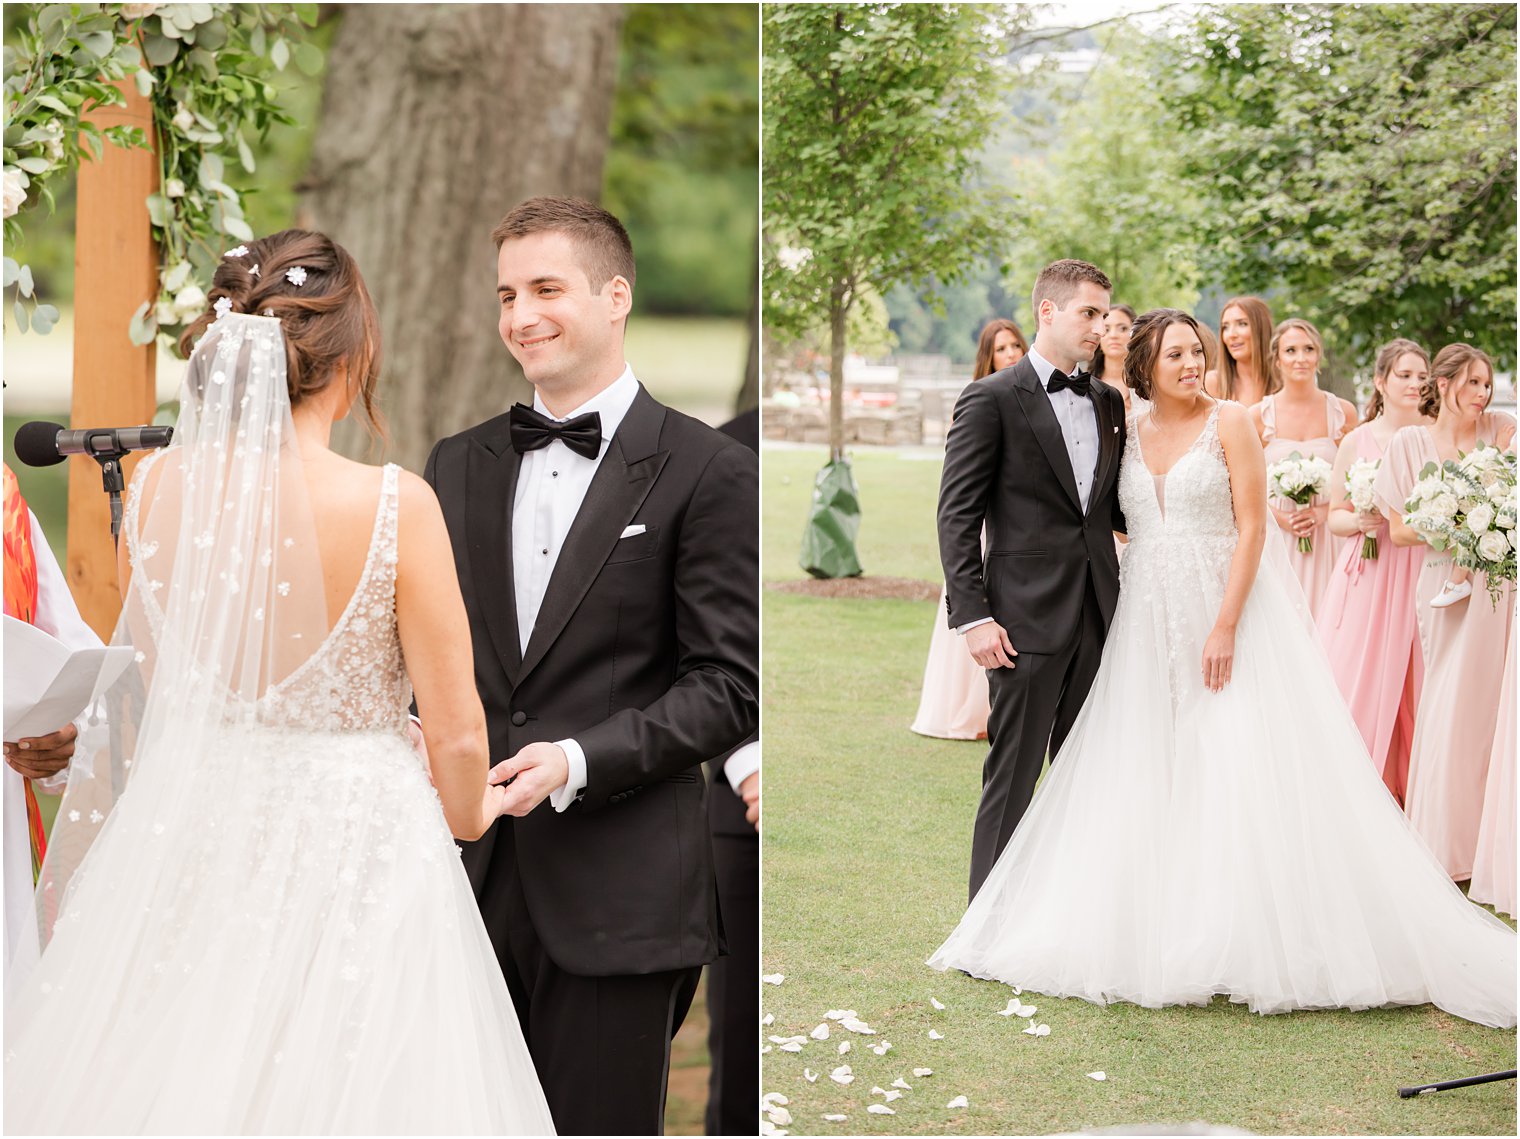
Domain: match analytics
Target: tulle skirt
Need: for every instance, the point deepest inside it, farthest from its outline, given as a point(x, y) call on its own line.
point(297, 953)
point(1187, 843)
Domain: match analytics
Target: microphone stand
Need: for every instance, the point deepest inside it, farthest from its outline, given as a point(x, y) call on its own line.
point(1422, 1089)
point(113, 482)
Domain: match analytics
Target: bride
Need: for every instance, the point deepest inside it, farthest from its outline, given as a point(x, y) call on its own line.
point(271, 931)
point(1213, 824)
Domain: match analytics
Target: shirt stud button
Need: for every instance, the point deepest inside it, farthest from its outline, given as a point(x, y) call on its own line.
point(546, 551)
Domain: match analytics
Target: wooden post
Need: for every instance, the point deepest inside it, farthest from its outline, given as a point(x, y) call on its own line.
point(115, 270)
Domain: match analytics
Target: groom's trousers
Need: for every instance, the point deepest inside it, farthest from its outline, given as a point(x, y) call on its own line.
point(601, 1045)
point(1034, 705)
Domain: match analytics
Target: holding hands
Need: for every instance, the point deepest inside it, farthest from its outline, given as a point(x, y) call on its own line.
point(534, 773)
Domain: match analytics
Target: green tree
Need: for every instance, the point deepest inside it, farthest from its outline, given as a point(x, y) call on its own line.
point(1361, 158)
point(875, 118)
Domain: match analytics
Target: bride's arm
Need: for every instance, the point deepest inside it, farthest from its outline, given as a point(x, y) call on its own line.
point(435, 639)
point(1248, 491)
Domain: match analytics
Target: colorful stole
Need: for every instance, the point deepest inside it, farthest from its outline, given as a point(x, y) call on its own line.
point(21, 603)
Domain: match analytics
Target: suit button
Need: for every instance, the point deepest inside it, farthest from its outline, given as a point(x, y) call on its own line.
point(519, 719)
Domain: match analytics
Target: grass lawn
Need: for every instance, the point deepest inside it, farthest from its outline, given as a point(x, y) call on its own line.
point(867, 838)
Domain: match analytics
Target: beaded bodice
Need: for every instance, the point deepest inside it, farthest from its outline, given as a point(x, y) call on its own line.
point(1190, 503)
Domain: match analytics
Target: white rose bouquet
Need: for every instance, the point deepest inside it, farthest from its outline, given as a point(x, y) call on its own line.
point(1300, 479)
point(1468, 505)
point(1359, 480)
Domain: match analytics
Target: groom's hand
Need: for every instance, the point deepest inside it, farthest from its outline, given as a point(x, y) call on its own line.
point(990, 646)
point(535, 772)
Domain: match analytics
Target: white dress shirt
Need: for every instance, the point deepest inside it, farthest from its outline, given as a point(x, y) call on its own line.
point(551, 486)
point(1078, 418)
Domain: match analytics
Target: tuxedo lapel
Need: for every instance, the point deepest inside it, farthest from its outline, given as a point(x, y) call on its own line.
point(491, 485)
point(1107, 443)
point(617, 490)
point(1045, 426)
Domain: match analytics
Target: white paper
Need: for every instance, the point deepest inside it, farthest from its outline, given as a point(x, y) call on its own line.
point(46, 684)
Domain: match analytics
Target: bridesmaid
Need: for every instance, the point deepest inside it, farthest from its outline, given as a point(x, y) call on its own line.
point(1108, 360)
point(954, 702)
point(1245, 332)
point(1366, 618)
point(1464, 645)
point(1298, 415)
point(1493, 876)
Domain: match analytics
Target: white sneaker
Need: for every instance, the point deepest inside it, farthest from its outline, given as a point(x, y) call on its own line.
point(1451, 593)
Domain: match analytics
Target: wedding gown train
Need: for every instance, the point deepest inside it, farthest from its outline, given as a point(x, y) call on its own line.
point(1187, 843)
point(297, 950)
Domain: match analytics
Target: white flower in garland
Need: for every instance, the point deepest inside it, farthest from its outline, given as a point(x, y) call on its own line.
point(15, 190)
point(183, 119)
point(174, 188)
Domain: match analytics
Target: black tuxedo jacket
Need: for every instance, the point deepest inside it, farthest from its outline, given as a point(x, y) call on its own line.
point(1006, 462)
point(645, 652)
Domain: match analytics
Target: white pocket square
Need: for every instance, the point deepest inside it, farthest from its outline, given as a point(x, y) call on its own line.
point(1116, 431)
point(631, 531)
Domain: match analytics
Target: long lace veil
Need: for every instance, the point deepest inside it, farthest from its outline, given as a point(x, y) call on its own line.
point(225, 603)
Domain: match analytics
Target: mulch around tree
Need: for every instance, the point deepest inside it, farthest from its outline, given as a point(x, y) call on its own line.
point(865, 587)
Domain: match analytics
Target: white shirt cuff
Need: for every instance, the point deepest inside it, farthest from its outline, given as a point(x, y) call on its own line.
point(575, 782)
point(742, 764)
point(969, 625)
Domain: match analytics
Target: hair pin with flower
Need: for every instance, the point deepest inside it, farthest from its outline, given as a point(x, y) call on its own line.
point(223, 306)
point(296, 275)
point(239, 251)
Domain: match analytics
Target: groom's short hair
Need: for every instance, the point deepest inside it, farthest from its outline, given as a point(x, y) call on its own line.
point(1058, 282)
point(605, 249)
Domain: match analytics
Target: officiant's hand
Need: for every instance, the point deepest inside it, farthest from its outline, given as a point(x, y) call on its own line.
point(536, 771)
point(990, 646)
point(38, 757)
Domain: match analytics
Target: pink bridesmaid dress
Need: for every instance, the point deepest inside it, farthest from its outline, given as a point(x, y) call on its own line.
point(1314, 568)
point(1464, 647)
point(954, 704)
point(1493, 876)
point(1367, 625)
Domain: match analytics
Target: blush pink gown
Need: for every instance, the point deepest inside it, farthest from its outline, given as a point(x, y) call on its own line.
point(1312, 569)
point(954, 703)
point(1493, 876)
point(1464, 647)
point(1367, 625)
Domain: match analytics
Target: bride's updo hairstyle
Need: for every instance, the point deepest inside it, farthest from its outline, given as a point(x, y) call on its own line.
point(311, 284)
point(1145, 346)
point(1447, 366)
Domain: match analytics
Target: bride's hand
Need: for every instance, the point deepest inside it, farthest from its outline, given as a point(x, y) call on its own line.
point(1218, 657)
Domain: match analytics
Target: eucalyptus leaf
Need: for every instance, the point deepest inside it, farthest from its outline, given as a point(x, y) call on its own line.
point(34, 165)
point(308, 58)
point(18, 310)
point(158, 210)
point(44, 317)
point(279, 54)
point(97, 44)
point(245, 153)
point(177, 277)
point(144, 80)
point(55, 104)
point(142, 328)
point(12, 273)
point(238, 228)
point(160, 50)
point(24, 283)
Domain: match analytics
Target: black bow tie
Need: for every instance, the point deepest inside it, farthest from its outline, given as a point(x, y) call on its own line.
point(1079, 382)
point(531, 430)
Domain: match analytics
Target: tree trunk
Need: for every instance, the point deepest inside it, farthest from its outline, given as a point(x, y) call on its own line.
point(436, 120)
point(839, 310)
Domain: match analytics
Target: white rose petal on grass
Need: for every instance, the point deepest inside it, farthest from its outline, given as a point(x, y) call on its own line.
point(882, 1049)
point(842, 1075)
point(902, 1083)
point(1018, 1008)
point(839, 1013)
point(893, 1095)
point(921, 1072)
point(766, 1049)
point(834, 1118)
point(855, 1024)
point(880, 1109)
point(934, 1034)
point(791, 1046)
point(1099, 1076)
point(1037, 1029)
point(773, 978)
point(768, 1019)
point(809, 1075)
point(958, 1101)
point(770, 1098)
point(779, 1116)
point(878, 1091)
point(844, 1046)
point(937, 1003)
point(820, 1033)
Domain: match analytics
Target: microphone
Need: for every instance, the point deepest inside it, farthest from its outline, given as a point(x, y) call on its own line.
point(41, 444)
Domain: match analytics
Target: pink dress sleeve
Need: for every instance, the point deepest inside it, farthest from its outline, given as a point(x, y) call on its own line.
point(1400, 469)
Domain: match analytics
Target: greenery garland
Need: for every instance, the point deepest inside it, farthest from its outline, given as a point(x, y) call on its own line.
point(205, 69)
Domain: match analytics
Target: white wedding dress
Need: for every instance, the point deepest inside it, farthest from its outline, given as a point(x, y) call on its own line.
point(1187, 843)
point(272, 931)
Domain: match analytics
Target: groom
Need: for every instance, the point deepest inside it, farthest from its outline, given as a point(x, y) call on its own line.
point(1033, 452)
point(607, 548)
